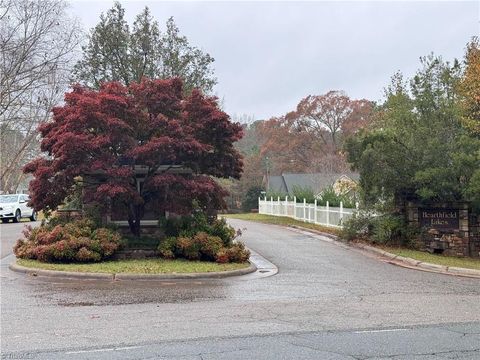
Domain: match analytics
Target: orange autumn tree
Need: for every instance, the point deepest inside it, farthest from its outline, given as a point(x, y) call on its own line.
point(310, 138)
point(285, 147)
point(470, 88)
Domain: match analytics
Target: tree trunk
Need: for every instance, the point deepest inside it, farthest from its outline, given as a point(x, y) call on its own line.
point(135, 215)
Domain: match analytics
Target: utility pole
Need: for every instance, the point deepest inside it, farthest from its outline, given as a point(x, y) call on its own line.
point(267, 164)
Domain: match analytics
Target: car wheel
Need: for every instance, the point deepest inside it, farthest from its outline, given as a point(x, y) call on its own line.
point(4, 221)
point(34, 216)
point(18, 216)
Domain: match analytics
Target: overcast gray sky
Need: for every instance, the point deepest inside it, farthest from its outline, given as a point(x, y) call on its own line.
point(269, 55)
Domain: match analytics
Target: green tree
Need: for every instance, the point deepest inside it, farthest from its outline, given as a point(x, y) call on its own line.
point(106, 57)
point(145, 46)
point(116, 53)
point(179, 59)
point(417, 149)
point(251, 198)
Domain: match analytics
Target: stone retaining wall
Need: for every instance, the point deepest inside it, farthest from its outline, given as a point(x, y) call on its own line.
point(135, 254)
point(463, 241)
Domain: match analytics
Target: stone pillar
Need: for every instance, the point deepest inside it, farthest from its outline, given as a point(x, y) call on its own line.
point(412, 213)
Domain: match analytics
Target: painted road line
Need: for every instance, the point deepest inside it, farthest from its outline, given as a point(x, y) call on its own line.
point(103, 350)
point(378, 331)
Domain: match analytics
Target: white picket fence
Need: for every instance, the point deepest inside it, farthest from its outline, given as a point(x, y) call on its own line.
point(312, 213)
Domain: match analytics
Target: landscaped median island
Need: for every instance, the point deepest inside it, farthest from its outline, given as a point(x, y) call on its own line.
point(135, 175)
point(190, 244)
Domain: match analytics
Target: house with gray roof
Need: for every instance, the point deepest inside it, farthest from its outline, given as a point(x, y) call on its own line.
point(286, 183)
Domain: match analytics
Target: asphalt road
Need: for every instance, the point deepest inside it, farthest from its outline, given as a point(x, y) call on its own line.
point(326, 302)
point(9, 233)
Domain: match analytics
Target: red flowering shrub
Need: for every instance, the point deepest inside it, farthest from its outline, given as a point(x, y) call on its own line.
point(85, 255)
point(222, 256)
point(77, 241)
point(209, 245)
point(188, 248)
point(238, 253)
point(108, 241)
point(203, 246)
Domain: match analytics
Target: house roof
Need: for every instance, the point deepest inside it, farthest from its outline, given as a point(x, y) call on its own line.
point(277, 184)
point(286, 183)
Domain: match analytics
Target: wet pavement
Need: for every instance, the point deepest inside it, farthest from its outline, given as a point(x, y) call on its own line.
point(10, 232)
point(320, 289)
point(423, 343)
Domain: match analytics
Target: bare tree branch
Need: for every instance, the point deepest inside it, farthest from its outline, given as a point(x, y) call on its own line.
point(37, 50)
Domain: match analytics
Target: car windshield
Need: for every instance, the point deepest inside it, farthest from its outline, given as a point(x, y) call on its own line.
point(8, 198)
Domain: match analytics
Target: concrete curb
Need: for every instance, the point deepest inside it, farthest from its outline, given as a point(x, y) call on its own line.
point(330, 236)
point(60, 274)
point(126, 276)
point(400, 260)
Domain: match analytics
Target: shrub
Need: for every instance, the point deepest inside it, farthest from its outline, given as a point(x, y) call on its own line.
point(358, 226)
point(208, 245)
point(275, 194)
point(389, 229)
point(221, 229)
point(235, 253)
point(56, 220)
point(173, 226)
point(386, 228)
point(85, 255)
point(77, 241)
point(166, 249)
point(23, 250)
point(222, 256)
point(304, 193)
point(187, 225)
point(190, 225)
point(188, 248)
point(334, 199)
point(108, 241)
point(238, 253)
point(393, 229)
point(203, 246)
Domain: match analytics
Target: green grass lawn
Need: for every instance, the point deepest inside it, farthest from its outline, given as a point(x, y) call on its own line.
point(282, 220)
point(145, 266)
point(436, 258)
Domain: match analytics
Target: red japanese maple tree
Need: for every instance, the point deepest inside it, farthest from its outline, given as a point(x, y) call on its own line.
point(153, 124)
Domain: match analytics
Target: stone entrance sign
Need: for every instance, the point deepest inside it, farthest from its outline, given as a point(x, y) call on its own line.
point(450, 227)
point(439, 218)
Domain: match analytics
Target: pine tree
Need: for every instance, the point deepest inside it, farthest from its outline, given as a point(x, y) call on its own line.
point(116, 53)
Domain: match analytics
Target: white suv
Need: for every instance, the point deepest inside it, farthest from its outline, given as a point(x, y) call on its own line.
point(14, 206)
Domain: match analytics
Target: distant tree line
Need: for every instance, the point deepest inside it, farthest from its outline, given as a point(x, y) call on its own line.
point(308, 139)
point(420, 143)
